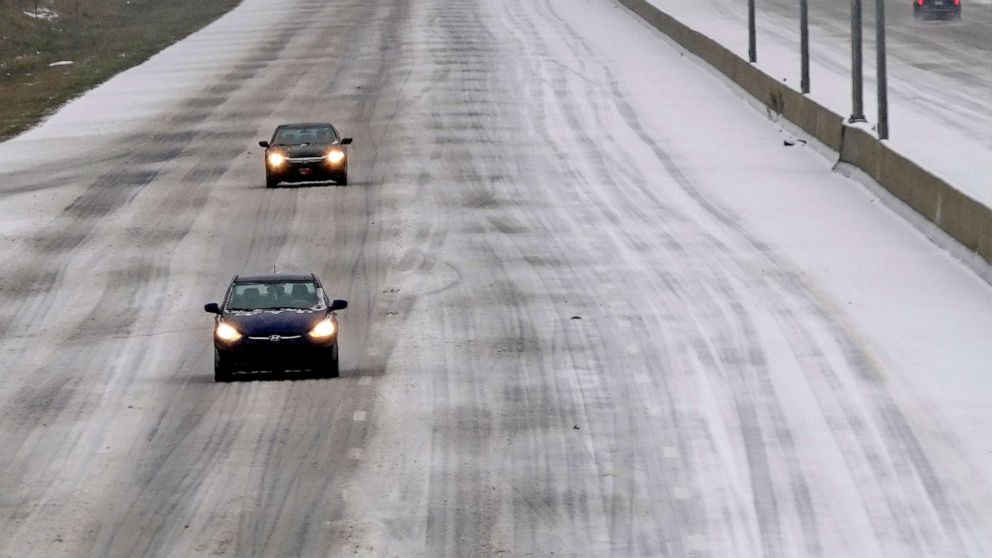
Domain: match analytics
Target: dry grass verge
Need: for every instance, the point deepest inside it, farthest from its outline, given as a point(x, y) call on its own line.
point(100, 37)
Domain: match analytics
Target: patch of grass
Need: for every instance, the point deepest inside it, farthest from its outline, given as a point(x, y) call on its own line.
point(100, 37)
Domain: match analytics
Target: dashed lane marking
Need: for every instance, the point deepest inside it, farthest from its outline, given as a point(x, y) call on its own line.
point(681, 493)
point(671, 452)
point(365, 381)
point(359, 416)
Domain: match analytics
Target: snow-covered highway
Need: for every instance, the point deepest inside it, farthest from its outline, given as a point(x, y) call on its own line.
point(597, 308)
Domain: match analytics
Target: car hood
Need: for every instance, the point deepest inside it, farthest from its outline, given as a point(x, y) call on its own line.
point(311, 150)
point(263, 323)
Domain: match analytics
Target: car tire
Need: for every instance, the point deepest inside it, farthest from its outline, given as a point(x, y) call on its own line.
point(341, 179)
point(333, 370)
point(222, 372)
point(271, 181)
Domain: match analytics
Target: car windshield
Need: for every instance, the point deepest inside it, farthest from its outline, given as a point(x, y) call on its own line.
point(299, 295)
point(300, 135)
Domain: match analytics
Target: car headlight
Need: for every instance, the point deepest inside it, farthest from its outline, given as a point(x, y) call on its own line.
point(226, 332)
point(324, 329)
point(335, 156)
point(276, 159)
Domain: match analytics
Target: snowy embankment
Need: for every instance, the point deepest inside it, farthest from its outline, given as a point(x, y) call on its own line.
point(949, 139)
point(133, 97)
point(75, 135)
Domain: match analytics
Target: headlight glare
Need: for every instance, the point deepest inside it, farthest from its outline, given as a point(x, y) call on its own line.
point(276, 159)
point(335, 156)
point(324, 329)
point(225, 332)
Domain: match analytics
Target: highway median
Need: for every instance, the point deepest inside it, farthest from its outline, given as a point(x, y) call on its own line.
point(966, 220)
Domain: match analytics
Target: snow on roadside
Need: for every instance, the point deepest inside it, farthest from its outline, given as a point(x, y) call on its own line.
point(143, 92)
point(959, 151)
point(44, 14)
point(76, 134)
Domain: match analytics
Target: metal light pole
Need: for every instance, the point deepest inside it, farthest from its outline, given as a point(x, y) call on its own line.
point(857, 101)
point(804, 44)
point(883, 86)
point(752, 47)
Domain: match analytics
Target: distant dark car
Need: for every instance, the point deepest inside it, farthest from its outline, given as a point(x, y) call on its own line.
point(309, 152)
point(275, 322)
point(937, 9)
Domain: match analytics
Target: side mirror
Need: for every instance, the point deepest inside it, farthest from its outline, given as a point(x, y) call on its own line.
point(213, 308)
point(339, 305)
point(264, 144)
point(345, 141)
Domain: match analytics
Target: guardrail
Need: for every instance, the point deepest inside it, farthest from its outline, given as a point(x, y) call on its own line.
point(966, 220)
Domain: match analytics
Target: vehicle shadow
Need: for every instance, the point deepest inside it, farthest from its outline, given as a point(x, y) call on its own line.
point(359, 371)
point(298, 185)
point(190, 379)
point(275, 376)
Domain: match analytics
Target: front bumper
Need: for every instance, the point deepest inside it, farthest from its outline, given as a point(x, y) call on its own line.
point(931, 11)
point(270, 354)
point(316, 169)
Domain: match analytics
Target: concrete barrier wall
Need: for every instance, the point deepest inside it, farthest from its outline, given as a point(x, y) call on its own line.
point(963, 218)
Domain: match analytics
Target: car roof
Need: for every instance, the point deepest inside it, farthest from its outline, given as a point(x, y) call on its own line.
point(305, 125)
point(274, 278)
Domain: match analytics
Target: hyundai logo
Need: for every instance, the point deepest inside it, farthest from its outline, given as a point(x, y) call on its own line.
point(274, 338)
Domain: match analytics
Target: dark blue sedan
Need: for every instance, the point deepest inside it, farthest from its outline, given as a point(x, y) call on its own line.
point(275, 322)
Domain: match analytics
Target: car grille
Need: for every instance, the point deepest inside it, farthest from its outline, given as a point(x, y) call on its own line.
point(305, 159)
point(275, 338)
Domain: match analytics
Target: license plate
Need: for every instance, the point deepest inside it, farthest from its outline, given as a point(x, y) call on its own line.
point(939, 3)
point(305, 171)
